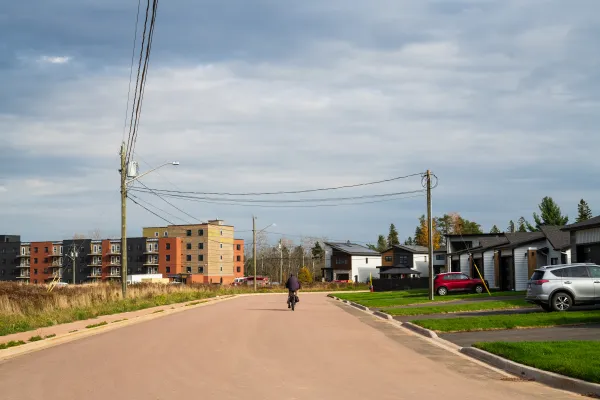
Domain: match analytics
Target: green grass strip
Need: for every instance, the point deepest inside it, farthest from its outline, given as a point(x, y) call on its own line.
point(12, 343)
point(97, 325)
point(577, 359)
point(453, 308)
point(510, 321)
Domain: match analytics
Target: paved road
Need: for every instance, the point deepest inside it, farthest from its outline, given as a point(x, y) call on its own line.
point(559, 333)
point(254, 348)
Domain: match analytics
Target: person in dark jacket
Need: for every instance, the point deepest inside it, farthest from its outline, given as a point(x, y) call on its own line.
point(292, 285)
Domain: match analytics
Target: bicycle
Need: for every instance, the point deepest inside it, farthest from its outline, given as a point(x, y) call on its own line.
point(292, 300)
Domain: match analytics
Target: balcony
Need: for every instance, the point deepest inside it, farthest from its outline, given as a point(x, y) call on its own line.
point(151, 251)
point(114, 252)
point(26, 255)
point(24, 266)
point(55, 264)
point(95, 274)
point(151, 262)
point(95, 253)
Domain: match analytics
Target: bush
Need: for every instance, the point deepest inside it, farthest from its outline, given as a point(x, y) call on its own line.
point(304, 276)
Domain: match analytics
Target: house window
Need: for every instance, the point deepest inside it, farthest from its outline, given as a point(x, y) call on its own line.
point(188, 232)
point(168, 270)
point(168, 246)
point(200, 270)
point(388, 258)
point(168, 257)
point(188, 246)
point(200, 246)
point(440, 257)
point(403, 260)
point(200, 257)
point(189, 270)
point(188, 257)
point(239, 269)
point(200, 232)
point(239, 258)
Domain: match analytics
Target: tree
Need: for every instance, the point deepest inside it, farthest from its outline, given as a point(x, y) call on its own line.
point(495, 229)
point(445, 224)
point(304, 276)
point(511, 227)
point(550, 215)
point(584, 212)
point(522, 225)
point(422, 239)
point(454, 224)
point(392, 238)
point(409, 242)
point(317, 251)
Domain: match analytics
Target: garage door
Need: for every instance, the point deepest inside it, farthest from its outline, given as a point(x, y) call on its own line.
point(589, 253)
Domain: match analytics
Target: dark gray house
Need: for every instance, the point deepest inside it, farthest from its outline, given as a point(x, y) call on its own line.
point(585, 240)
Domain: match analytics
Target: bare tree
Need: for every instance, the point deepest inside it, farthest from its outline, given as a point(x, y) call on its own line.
point(78, 236)
point(96, 234)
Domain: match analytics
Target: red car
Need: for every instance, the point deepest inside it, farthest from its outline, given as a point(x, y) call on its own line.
point(457, 282)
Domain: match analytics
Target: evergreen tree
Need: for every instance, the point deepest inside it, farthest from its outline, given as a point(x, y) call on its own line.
point(495, 229)
point(583, 211)
point(382, 244)
point(550, 215)
point(511, 227)
point(392, 238)
point(409, 241)
point(317, 251)
point(522, 225)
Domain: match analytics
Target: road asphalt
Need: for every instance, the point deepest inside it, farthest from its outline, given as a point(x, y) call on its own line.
point(255, 348)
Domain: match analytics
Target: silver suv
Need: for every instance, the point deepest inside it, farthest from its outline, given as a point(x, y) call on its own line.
point(559, 287)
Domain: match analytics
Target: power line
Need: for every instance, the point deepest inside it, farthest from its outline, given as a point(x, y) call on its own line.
point(158, 208)
point(217, 199)
point(169, 203)
point(150, 211)
point(137, 18)
point(284, 206)
point(294, 191)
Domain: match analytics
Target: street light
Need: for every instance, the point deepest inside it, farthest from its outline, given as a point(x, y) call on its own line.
point(125, 173)
point(254, 244)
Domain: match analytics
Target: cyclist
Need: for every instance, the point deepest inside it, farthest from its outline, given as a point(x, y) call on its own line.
point(292, 285)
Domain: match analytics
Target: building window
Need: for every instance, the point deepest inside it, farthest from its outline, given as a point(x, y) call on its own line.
point(239, 258)
point(189, 270)
point(238, 247)
point(168, 246)
point(200, 232)
point(221, 257)
point(221, 233)
point(128, 247)
point(200, 257)
point(166, 234)
point(440, 257)
point(188, 233)
point(188, 257)
point(239, 269)
point(46, 260)
point(221, 245)
point(155, 234)
point(35, 260)
point(45, 249)
point(200, 270)
point(188, 246)
point(168, 257)
point(45, 270)
point(129, 271)
point(35, 271)
point(200, 246)
point(221, 268)
point(366, 260)
point(139, 247)
point(168, 270)
point(388, 258)
point(403, 260)
point(35, 249)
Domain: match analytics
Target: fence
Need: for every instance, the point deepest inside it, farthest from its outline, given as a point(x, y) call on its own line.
point(385, 285)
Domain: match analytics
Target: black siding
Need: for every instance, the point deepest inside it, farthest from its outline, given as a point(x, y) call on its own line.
point(9, 250)
point(135, 255)
point(400, 253)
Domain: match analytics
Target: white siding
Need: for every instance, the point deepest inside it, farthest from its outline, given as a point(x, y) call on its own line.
point(521, 268)
point(464, 264)
point(488, 267)
point(421, 264)
point(588, 236)
point(568, 256)
point(365, 266)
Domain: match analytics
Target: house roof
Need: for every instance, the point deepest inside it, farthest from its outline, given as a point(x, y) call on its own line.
point(558, 239)
point(400, 271)
point(458, 235)
point(590, 223)
point(416, 249)
point(520, 238)
point(353, 249)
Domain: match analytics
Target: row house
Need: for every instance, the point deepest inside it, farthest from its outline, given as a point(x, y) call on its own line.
point(404, 261)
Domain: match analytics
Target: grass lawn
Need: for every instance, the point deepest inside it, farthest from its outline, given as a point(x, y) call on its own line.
point(512, 321)
point(452, 308)
point(408, 297)
point(577, 359)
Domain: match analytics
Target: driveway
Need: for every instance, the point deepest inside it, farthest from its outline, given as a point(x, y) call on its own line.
point(559, 333)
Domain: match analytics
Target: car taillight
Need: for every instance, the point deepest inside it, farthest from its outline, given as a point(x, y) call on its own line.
point(540, 281)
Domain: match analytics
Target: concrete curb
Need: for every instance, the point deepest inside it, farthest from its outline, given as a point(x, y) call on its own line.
point(359, 306)
point(32, 347)
point(523, 371)
point(383, 315)
point(420, 330)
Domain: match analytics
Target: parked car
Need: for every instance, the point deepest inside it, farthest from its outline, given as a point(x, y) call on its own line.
point(457, 282)
point(560, 287)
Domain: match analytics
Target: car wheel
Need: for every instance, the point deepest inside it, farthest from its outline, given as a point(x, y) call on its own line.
point(442, 291)
point(546, 307)
point(479, 289)
point(561, 301)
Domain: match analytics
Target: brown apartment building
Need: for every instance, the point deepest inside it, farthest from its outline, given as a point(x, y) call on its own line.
point(208, 251)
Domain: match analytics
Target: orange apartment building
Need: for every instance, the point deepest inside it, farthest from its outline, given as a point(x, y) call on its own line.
point(238, 261)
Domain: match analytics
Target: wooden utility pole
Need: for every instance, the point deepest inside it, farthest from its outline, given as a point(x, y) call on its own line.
point(254, 248)
point(123, 222)
point(430, 235)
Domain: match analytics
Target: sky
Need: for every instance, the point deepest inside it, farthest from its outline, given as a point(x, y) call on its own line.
point(499, 99)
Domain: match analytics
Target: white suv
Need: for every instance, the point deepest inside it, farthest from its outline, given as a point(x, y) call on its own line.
point(559, 287)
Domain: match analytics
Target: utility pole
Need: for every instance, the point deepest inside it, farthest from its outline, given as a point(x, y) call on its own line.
point(280, 262)
point(254, 248)
point(72, 255)
point(430, 234)
point(123, 222)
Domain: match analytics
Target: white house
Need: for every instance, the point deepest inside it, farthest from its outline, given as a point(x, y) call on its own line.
point(350, 262)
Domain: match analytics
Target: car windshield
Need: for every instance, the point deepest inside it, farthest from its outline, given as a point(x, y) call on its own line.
point(537, 275)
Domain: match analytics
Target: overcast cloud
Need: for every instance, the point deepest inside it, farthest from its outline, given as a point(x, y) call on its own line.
point(498, 98)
